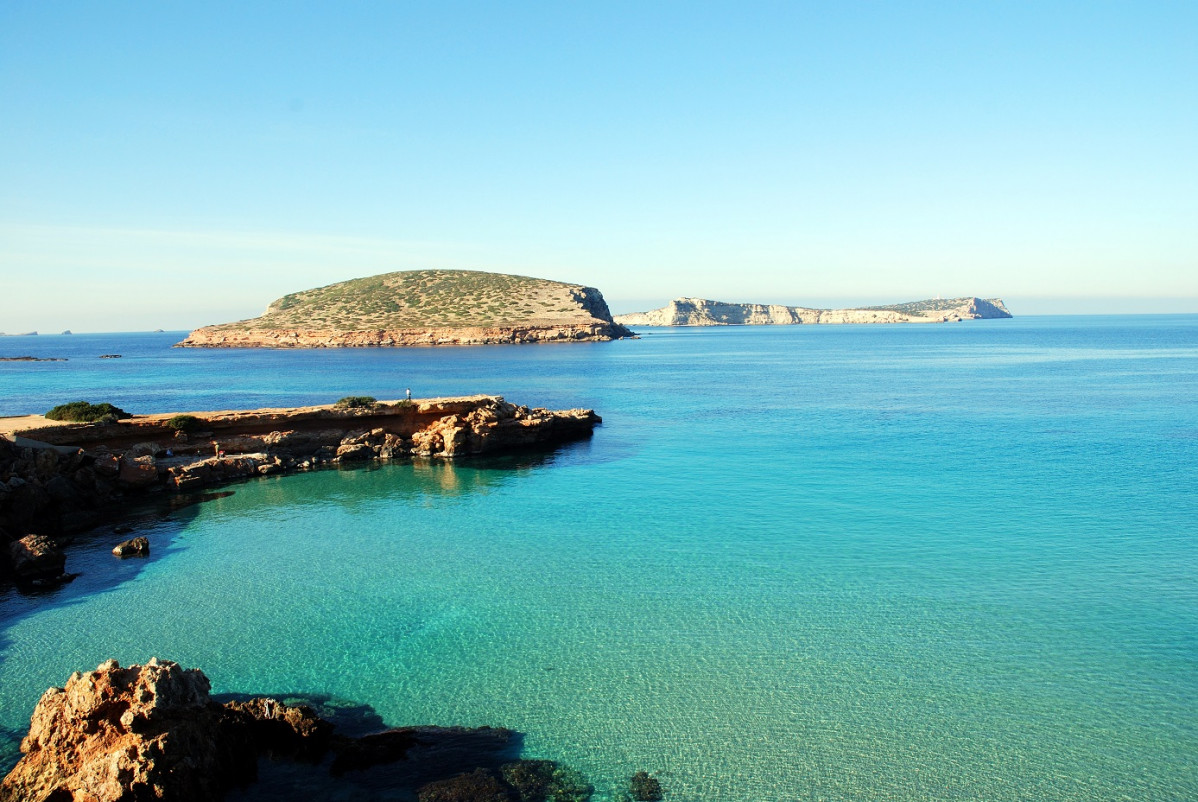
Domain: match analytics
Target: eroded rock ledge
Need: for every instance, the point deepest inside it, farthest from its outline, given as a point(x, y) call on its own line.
point(226, 337)
point(153, 732)
point(56, 478)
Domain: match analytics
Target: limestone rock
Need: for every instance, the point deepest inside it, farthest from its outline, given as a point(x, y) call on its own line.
point(138, 472)
point(284, 730)
point(703, 312)
point(134, 547)
point(355, 452)
point(143, 732)
point(422, 308)
point(36, 557)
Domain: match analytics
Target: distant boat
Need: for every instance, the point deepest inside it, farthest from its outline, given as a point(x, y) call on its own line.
point(158, 331)
point(68, 331)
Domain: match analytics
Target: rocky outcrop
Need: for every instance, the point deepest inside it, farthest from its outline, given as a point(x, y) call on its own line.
point(65, 476)
point(215, 337)
point(134, 547)
point(423, 308)
point(702, 312)
point(36, 557)
point(153, 732)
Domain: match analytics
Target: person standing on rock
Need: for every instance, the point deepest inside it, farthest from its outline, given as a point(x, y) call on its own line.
point(409, 392)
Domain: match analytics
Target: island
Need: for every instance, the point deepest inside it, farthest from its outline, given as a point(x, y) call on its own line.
point(702, 312)
point(423, 307)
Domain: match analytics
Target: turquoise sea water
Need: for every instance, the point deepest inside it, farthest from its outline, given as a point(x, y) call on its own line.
point(857, 562)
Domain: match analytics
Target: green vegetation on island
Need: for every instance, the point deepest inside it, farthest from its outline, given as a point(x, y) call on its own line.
point(430, 298)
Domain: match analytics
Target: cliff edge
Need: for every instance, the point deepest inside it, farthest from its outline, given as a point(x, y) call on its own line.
point(423, 307)
point(702, 312)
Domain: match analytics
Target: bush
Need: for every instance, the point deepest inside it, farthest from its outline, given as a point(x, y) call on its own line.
point(185, 423)
point(356, 402)
point(85, 412)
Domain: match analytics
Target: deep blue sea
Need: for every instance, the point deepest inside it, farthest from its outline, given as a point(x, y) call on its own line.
point(930, 562)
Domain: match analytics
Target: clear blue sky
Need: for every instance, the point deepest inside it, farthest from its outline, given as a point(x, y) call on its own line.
point(171, 165)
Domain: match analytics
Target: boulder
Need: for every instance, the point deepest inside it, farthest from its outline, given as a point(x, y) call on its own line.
point(644, 787)
point(143, 732)
point(355, 452)
point(36, 557)
point(134, 547)
point(280, 730)
point(444, 438)
point(138, 472)
point(107, 465)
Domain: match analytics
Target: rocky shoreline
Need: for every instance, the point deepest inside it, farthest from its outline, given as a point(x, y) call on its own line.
point(153, 731)
point(59, 479)
point(228, 337)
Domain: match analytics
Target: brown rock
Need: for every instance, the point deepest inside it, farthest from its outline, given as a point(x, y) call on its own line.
point(444, 438)
point(36, 557)
point(135, 547)
point(355, 452)
point(284, 730)
point(138, 472)
point(143, 732)
point(107, 465)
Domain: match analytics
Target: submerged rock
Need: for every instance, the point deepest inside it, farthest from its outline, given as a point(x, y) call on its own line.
point(480, 785)
point(644, 787)
point(546, 781)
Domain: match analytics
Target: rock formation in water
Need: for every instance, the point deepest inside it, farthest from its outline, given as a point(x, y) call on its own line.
point(153, 732)
point(701, 312)
point(62, 475)
point(423, 307)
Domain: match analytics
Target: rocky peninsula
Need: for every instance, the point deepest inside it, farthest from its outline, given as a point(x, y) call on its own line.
point(702, 312)
point(60, 478)
point(423, 308)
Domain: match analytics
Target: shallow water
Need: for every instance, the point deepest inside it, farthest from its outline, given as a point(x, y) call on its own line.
point(935, 562)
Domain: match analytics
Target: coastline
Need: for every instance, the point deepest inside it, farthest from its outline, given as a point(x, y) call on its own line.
point(59, 479)
point(229, 336)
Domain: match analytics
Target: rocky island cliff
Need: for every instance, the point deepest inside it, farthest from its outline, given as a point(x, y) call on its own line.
point(702, 312)
point(423, 307)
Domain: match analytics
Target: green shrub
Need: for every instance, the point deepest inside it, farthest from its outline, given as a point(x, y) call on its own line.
point(85, 412)
point(185, 423)
point(356, 402)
